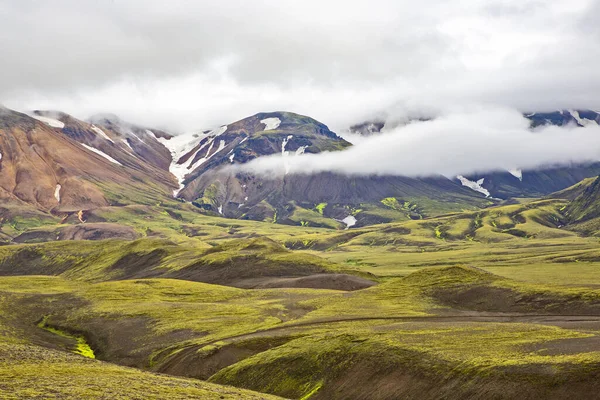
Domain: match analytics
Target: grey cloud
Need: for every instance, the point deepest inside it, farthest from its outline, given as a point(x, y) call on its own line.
point(193, 64)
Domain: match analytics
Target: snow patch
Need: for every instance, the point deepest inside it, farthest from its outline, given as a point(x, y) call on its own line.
point(244, 139)
point(581, 121)
point(101, 153)
point(127, 144)
point(208, 156)
point(517, 173)
point(476, 186)
point(231, 157)
point(285, 154)
point(203, 159)
point(212, 143)
point(350, 221)
point(57, 192)
point(300, 150)
point(271, 123)
point(285, 142)
point(183, 144)
point(101, 133)
point(221, 209)
point(49, 121)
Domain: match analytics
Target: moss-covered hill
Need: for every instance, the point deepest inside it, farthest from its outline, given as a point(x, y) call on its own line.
point(495, 303)
point(432, 334)
point(587, 205)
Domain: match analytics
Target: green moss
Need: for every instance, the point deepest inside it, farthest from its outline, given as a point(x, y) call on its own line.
point(81, 346)
point(320, 207)
point(392, 203)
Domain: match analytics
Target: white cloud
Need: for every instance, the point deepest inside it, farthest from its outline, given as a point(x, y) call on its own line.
point(459, 143)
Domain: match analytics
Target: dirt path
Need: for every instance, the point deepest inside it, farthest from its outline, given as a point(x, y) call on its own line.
point(561, 320)
point(547, 319)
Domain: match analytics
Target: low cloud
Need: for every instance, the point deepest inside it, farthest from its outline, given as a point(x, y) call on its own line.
point(456, 143)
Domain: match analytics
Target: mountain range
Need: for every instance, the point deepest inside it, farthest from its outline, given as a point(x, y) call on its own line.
point(53, 164)
point(380, 287)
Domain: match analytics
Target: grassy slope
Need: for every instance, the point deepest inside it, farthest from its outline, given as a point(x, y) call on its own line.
point(520, 241)
point(499, 239)
point(231, 262)
point(584, 211)
point(291, 342)
point(288, 342)
point(30, 372)
point(33, 363)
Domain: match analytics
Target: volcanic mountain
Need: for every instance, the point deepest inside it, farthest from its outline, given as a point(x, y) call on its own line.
point(56, 163)
point(293, 198)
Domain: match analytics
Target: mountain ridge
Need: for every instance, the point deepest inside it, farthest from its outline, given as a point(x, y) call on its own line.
point(151, 162)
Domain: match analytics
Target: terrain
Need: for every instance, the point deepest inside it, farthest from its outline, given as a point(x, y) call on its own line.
point(503, 302)
point(57, 166)
point(133, 265)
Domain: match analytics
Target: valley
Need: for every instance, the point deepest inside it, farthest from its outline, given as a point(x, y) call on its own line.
point(502, 301)
point(300, 200)
point(133, 267)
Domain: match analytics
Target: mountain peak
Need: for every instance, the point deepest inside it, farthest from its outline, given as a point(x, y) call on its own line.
point(564, 117)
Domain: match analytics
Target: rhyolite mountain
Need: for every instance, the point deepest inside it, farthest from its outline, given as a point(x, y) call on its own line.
point(55, 163)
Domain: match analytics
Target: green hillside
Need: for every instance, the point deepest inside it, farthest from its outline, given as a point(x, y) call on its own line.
point(500, 302)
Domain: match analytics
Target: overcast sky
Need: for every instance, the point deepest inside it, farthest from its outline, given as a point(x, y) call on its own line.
point(194, 64)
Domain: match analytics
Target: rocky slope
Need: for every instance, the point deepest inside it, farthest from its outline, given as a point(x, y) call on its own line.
point(57, 164)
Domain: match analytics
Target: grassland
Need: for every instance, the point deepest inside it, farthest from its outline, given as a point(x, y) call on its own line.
point(496, 303)
point(300, 342)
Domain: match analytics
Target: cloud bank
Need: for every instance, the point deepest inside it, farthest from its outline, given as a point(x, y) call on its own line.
point(187, 65)
point(459, 143)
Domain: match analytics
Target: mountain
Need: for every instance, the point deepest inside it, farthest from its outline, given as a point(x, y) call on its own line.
point(368, 128)
point(564, 117)
point(55, 163)
point(323, 199)
point(517, 182)
point(542, 181)
point(62, 164)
